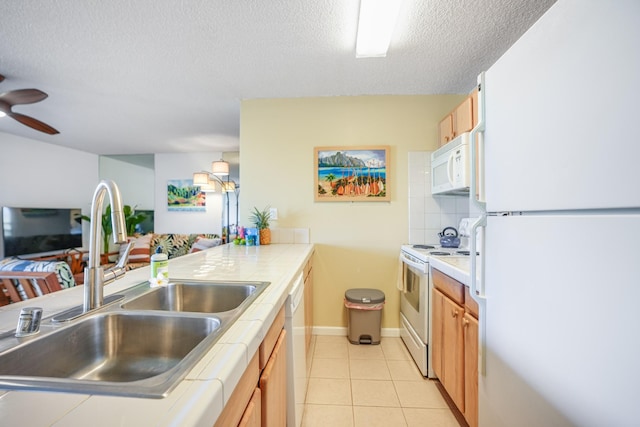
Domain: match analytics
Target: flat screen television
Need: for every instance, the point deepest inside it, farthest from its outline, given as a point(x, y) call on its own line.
point(38, 230)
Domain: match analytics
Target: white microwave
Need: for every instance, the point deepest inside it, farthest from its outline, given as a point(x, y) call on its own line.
point(450, 172)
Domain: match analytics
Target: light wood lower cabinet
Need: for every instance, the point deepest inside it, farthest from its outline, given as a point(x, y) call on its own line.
point(470, 325)
point(450, 356)
point(253, 414)
point(273, 385)
point(266, 405)
point(454, 342)
point(237, 405)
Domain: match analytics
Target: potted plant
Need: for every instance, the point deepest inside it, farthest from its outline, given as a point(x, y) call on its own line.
point(131, 219)
point(260, 218)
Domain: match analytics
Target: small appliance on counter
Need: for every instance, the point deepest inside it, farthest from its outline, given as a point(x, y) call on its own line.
point(449, 238)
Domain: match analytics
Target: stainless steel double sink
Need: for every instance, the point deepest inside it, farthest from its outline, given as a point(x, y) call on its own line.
point(141, 346)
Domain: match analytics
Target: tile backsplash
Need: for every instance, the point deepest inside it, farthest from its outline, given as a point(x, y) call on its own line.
point(429, 214)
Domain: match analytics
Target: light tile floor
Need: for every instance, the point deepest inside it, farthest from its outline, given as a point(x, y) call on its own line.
point(370, 385)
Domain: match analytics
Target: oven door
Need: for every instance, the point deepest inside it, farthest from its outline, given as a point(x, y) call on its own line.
point(414, 304)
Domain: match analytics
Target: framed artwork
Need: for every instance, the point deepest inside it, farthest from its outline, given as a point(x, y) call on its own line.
point(182, 195)
point(351, 174)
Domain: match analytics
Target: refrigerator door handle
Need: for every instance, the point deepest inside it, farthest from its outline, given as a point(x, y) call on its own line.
point(477, 289)
point(476, 191)
point(477, 277)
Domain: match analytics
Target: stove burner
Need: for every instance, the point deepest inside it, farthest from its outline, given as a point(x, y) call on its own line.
point(466, 253)
point(438, 253)
point(424, 247)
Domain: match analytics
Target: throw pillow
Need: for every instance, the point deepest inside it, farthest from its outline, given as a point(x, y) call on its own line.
point(201, 244)
point(141, 249)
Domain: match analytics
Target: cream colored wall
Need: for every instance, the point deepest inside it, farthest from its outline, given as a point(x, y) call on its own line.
point(357, 243)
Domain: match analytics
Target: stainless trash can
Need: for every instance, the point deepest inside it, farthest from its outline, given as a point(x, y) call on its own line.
point(365, 314)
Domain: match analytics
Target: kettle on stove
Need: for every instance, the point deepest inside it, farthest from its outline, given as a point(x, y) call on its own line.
point(449, 238)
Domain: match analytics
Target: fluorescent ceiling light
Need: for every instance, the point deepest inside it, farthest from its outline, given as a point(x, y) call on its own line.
point(375, 27)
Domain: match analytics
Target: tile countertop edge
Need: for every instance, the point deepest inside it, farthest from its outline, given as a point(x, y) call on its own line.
point(461, 274)
point(277, 263)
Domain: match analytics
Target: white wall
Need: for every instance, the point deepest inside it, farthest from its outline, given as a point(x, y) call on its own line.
point(38, 174)
point(181, 166)
point(135, 182)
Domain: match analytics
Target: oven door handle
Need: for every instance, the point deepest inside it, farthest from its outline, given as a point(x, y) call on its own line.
point(409, 262)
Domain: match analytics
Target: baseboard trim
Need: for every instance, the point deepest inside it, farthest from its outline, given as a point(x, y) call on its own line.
point(342, 331)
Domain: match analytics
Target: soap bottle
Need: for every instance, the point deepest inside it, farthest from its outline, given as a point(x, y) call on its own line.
point(159, 268)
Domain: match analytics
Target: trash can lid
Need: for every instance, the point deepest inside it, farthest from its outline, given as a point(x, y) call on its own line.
point(363, 295)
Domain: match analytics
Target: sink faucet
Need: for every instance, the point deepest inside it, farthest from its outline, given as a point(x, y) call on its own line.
point(94, 275)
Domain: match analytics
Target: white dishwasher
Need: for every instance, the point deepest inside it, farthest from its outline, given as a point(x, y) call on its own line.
point(296, 353)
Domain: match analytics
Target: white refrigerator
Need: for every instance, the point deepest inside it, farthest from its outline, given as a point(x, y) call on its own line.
point(559, 270)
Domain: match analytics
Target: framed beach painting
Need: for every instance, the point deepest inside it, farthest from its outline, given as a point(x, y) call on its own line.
point(352, 174)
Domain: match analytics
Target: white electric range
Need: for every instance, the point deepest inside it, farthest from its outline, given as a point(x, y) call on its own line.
point(415, 296)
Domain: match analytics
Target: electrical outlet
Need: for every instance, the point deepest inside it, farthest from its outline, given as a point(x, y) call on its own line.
point(273, 212)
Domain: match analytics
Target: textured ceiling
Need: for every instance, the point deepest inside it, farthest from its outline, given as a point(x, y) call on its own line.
point(145, 76)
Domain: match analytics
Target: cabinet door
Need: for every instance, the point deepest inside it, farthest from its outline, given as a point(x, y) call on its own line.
point(463, 116)
point(436, 332)
point(273, 385)
point(252, 416)
point(474, 107)
point(445, 130)
point(470, 325)
point(453, 351)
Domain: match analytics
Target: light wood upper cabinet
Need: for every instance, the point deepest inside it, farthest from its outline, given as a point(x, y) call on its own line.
point(463, 115)
point(462, 119)
point(445, 129)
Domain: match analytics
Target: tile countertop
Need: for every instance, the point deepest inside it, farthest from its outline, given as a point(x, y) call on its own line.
point(458, 267)
point(199, 398)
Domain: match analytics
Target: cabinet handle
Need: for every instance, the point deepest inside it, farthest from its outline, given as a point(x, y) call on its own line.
point(454, 313)
point(465, 323)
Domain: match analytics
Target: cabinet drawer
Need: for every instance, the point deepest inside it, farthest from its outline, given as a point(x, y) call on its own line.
point(270, 338)
point(448, 286)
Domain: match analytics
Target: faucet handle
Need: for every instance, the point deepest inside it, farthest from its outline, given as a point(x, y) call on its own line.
point(120, 268)
point(122, 262)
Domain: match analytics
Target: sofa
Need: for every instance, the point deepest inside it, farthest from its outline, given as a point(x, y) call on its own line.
point(174, 245)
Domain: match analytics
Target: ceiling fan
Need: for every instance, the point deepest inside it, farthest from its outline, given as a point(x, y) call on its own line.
point(24, 96)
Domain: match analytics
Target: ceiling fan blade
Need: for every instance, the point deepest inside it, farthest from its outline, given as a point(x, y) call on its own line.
point(33, 123)
point(23, 96)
